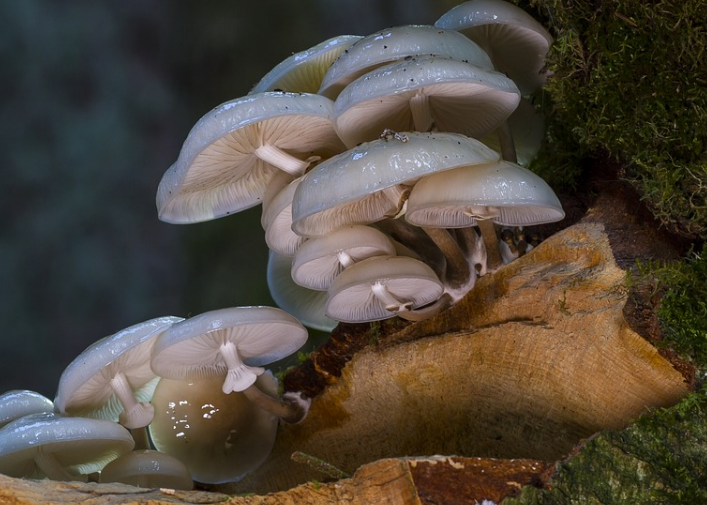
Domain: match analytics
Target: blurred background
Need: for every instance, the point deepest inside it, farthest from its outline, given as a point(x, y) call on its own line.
point(96, 100)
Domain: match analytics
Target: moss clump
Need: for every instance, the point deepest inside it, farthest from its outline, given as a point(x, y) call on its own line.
point(629, 79)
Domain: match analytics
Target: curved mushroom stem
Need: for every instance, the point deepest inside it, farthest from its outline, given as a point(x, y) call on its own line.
point(142, 440)
point(291, 409)
point(389, 301)
point(52, 469)
point(490, 238)
point(345, 259)
point(134, 414)
point(284, 160)
point(505, 139)
point(421, 116)
point(457, 272)
point(240, 376)
point(427, 311)
point(416, 240)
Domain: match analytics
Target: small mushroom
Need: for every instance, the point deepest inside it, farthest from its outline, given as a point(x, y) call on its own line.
point(393, 44)
point(149, 469)
point(276, 218)
point(60, 448)
point(515, 41)
point(219, 437)
point(233, 152)
point(233, 344)
point(304, 71)
point(382, 287)
point(112, 378)
point(319, 260)
point(22, 402)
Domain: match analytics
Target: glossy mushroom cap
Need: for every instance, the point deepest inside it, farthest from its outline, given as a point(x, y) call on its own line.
point(60, 448)
point(112, 378)
point(515, 41)
point(232, 153)
point(149, 469)
point(424, 94)
point(22, 402)
point(370, 182)
point(381, 287)
point(233, 343)
point(304, 71)
point(276, 219)
point(219, 437)
point(393, 44)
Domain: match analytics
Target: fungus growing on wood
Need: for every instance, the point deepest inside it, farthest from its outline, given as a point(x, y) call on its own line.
point(149, 469)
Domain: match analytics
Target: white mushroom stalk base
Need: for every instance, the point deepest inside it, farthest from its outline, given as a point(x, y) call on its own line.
point(52, 469)
point(345, 259)
point(239, 376)
point(284, 160)
point(389, 301)
point(291, 409)
point(135, 414)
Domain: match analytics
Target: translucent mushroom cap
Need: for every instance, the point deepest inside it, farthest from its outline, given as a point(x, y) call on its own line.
point(230, 343)
point(219, 437)
point(60, 448)
point(232, 153)
point(360, 292)
point(424, 94)
point(22, 402)
point(305, 304)
point(515, 41)
point(320, 260)
point(276, 219)
point(368, 183)
point(504, 192)
point(393, 44)
point(148, 469)
point(304, 71)
point(94, 382)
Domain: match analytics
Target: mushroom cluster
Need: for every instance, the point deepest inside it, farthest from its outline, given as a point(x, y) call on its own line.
point(388, 166)
point(160, 404)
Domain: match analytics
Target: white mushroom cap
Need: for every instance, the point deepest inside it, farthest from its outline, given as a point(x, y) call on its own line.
point(380, 287)
point(22, 402)
point(219, 437)
point(230, 343)
point(148, 469)
point(319, 260)
point(424, 94)
point(277, 220)
point(367, 183)
point(232, 152)
point(515, 41)
point(60, 448)
point(503, 192)
point(305, 304)
point(112, 378)
point(392, 44)
point(303, 72)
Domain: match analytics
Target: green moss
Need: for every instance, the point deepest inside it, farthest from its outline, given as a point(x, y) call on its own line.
point(629, 80)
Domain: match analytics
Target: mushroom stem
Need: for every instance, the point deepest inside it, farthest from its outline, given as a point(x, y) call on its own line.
point(291, 409)
point(505, 139)
point(51, 468)
point(427, 311)
point(134, 414)
point(142, 441)
point(389, 301)
point(283, 160)
point(240, 376)
point(457, 272)
point(473, 248)
point(420, 109)
point(345, 259)
point(490, 238)
point(413, 238)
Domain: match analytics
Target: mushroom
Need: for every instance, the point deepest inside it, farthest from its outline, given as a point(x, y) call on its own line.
point(112, 378)
point(233, 344)
point(219, 437)
point(424, 94)
point(503, 193)
point(307, 305)
point(276, 218)
point(148, 468)
point(60, 448)
point(393, 44)
point(319, 260)
point(232, 153)
point(515, 41)
point(527, 129)
point(304, 71)
point(382, 287)
point(22, 402)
